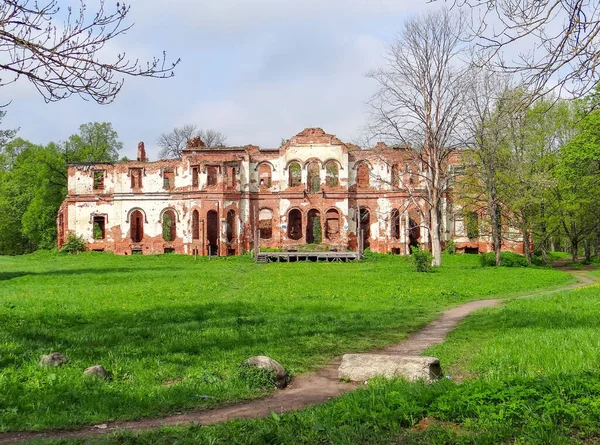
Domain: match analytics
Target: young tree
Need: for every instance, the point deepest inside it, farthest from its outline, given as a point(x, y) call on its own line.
point(62, 59)
point(174, 142)
point(421, 100)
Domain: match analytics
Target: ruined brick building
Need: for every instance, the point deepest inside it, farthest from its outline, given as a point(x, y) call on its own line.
point(222, 201)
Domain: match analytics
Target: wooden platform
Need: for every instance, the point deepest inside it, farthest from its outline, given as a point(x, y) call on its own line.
point(290, 257)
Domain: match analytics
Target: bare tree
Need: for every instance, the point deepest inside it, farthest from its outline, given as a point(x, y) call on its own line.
point(64, 58)
point(490, 109)
point(174, 142)
point(420, 100)
point(561, 37)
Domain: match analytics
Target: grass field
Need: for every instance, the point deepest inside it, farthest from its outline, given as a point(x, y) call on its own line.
point(172, 331)
point(529, 374)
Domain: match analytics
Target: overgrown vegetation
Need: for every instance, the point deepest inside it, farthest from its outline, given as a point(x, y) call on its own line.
point(509, 259)
point(172, 330)
point(73, 244)
point(422, 259)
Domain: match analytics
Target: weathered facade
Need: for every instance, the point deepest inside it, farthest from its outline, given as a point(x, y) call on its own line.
point(223, 201)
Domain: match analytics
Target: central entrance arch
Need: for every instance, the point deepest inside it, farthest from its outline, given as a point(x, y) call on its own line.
point(314, 231)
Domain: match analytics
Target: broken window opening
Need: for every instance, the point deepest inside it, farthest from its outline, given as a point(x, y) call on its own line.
point(99, 180)
point(314, 178)
point(294, 224)
point(414, 233)
point(211, 175)
point(264, 175)
point(212, 232)
point(362, 175)
point(332, 173)
point(136, 178)
point(168, 179)
point(231, 226)
point(136, 226)
point(265, 224)
point(314, 231)
point(230, 172)
point(295, 174)
point(395, 222)
point(471, 222)
point(169, 228)
point(365, 226)
point(99, 227)
point(195, 177)
point(195, 225)
point(332, 225)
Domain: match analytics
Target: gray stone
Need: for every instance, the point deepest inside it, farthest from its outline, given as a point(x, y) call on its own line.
point(361, 367)
point(96, 371)
point(264, 362)
point(54, 359)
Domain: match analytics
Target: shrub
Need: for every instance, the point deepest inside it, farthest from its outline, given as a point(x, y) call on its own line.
point(422, 259)
point(450, 247)
point(73, 244)
point(509, 259)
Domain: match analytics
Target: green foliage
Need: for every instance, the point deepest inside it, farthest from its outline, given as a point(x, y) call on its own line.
point(166, 227)
point(509, 259)
point(98, 231)
point(450, 247)
point(471, 220)
point(421, 259)
point(254, 377)
point(317, 229)
point(73, 244)
point(151, 333)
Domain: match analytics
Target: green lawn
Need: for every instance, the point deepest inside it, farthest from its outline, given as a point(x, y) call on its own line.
point(172, 331)
point(529, 373)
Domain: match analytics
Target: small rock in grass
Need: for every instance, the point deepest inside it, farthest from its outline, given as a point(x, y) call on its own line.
point(264, 362)
point(54, 359)
point(96, 371)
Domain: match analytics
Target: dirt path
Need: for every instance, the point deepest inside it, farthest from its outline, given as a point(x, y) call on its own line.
point(304, 390)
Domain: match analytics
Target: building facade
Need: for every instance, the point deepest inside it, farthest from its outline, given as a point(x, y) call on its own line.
point(314, 189)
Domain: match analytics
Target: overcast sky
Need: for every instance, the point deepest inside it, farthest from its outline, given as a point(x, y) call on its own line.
point(256, 70)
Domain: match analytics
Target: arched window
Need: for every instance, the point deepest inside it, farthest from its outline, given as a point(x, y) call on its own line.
point(265, 223)
point(365, 226)
point(362, 175)
point(231, 226)
point(395, 222)
point(195, 225)
point(414, 232)
point(332, 225)
point(294, 230)
point(332, 173)
point(264, 175)
point(314, 178)
point(212, 232)
point(136, 226)
point(295, 174)
point(169, 229)
point(314, 231)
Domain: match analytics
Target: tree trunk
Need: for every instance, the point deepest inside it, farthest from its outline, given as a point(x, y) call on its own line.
point(588, 250)
point(496, 229)
point(574, 248)
point(434, 236)
point(527, 245)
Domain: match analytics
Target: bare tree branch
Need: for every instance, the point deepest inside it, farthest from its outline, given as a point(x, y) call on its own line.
point(64, 59)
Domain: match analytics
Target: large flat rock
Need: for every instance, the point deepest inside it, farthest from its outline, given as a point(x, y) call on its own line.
point(361, 367)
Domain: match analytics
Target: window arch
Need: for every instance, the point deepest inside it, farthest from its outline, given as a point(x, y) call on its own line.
point(395, 223)
point(195, 225)
point(169, 225)
point(136, 226)
point(314, 177)
point(363, 173)
point(395, 175)
point(265, 223)
point(295, 174)
point(264, 175)
point(332, 224)
point(294, 229)
point(332, 174)
point(231, 228)
point(365, 226)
